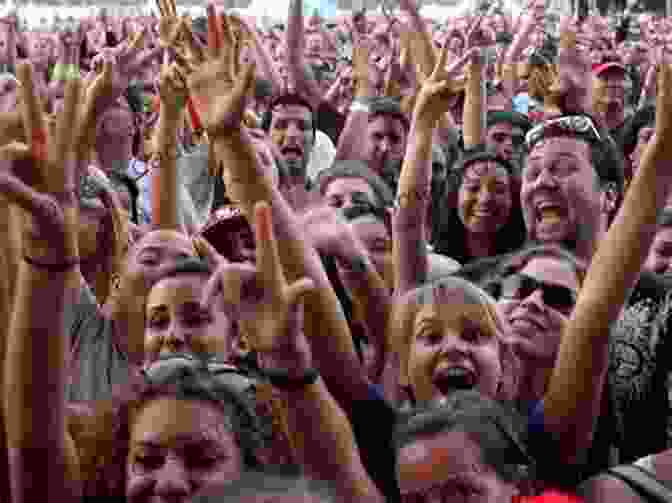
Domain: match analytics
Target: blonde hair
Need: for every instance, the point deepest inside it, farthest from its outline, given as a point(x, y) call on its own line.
point(407, 307)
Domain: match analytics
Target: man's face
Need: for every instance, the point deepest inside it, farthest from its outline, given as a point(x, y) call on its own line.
point(611, 97)
point(506, 140)
point(560, 196)
point(292, 132)
point(385, 142)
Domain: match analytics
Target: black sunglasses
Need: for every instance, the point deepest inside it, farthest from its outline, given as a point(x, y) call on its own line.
point(521, 286)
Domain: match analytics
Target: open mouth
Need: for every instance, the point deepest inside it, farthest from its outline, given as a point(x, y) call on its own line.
point(550, 213)
point(291, 153)
point(449, 379)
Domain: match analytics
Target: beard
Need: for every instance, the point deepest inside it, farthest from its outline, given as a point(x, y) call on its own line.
point(296, 168)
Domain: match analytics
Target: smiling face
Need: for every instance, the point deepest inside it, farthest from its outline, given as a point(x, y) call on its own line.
point(536, 303)
point(484, 198)
point(449, 466)
point(177, 323)
point(454, 346)
point(659, 260)
point(385, 142)
point(560, 195)
point(506, 140)
point(178, 448)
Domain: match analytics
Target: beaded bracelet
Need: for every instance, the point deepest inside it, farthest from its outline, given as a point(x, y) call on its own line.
point(280, 379)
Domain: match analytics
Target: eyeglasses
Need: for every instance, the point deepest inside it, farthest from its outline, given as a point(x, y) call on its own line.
point(571, 125)
point(521, 286)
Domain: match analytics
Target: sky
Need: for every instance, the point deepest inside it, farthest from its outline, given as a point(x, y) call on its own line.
point(275, 9)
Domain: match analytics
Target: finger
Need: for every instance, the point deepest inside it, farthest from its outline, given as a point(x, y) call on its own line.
point(296, 292)
point(136, 42)
point(208, 252)
point(65, 134)
point(172, 9)
point(441, 64)
point(27, 198)
point(268, 259)
point(246, 80)
point(162, 9)
point(215, 35)
point(459, 65)
point(33, 120)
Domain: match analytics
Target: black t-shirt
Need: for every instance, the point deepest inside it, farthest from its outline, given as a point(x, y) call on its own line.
point(330, 121)
point(640, 360)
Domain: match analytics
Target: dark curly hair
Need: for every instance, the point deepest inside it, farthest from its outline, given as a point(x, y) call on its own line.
point(496, 427)
point(449, 231)
point(103, 437)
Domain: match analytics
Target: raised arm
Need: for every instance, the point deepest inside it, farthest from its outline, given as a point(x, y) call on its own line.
point(173, 95)
point(410, 240)
point(35, 368)
point(305, 84)
point(572, 402)
point(316, 424)
point(221, 108)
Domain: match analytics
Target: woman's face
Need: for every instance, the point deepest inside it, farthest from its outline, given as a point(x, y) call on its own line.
point(452, 348)
point(659, 260)
point(449, 466)
point(536, 303)
point(484, 198)
point(177, 323)
point(178, 448)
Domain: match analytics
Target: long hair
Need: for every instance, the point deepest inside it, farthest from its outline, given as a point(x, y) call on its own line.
point(407, 307)
point(102, 436)
point(450, 239)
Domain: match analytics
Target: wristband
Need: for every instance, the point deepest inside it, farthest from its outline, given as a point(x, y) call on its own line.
point(280, 379)
point(357, 106)
point(64, 266)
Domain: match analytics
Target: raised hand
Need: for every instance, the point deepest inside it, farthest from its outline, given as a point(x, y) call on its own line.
point(259, 297)
point(572, 89)
point(40, 176)
point(219, 87)
point(434, 97)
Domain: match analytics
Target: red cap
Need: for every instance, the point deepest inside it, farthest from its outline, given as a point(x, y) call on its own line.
point(598, 69)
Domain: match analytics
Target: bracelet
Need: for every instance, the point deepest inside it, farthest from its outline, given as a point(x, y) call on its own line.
point(357, 106)
point(64, 266)
point(280, 379)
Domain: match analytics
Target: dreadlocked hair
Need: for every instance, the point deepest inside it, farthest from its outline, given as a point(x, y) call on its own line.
point(102, 436)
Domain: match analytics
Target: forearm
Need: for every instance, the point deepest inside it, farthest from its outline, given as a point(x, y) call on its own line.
point(334, 351)
point(35, 383)
point(473, 108)
point(351, 141)
point(164, 178)
point(319, 426)
point(371, 295)
point(423, 44)
point(573, 399)
point(265, 64)
point(410, 241)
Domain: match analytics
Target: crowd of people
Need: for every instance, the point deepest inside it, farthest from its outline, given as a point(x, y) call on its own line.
point(370, 258)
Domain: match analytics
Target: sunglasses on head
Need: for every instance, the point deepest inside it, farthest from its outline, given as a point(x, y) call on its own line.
point(521, 286)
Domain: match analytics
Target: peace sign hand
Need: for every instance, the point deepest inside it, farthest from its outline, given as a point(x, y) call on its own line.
point(267, 307)
point(40, 176)
point(433, 99)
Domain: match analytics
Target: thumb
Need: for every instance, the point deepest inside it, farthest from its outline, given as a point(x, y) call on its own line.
point(297, 291)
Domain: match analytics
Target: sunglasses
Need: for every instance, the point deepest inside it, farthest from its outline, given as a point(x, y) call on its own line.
point(521, 286)
point(573, 125)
